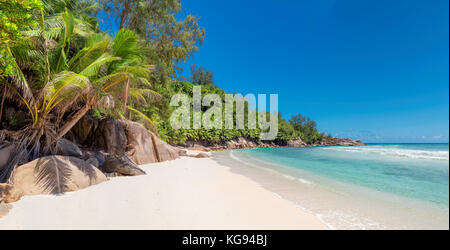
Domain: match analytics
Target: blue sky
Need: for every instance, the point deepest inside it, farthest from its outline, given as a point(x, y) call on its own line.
point(374, 70)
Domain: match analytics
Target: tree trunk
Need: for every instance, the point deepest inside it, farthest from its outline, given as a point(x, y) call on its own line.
point(124, 15)
point(73, 120)
point(3, 103)
point(122, 20)
point(125, 98)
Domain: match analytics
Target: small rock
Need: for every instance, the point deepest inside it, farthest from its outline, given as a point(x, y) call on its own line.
point(200, 148)
point(182, 152)
point(67, 148)
point(201, 155)
point(121, 165)
point(100, 156)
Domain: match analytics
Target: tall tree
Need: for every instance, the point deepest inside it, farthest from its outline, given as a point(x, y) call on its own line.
point(170, 41)
point(201, 76)
point(298, 122)
point(307, 128)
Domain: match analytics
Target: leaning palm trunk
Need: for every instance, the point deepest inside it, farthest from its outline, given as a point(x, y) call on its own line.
point(73, 120)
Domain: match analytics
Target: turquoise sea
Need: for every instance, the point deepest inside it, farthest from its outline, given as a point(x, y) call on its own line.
point(400, 176)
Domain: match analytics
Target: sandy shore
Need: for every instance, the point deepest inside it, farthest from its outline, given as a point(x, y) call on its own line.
point(4, 209)
point(184, 194)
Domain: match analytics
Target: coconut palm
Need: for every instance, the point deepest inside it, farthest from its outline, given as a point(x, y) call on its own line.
point(73, 71)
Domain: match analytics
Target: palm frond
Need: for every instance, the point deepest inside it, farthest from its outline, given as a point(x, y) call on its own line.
point(52, 33)
point(69, 25)
point(59, 59)
point(143, 96)
point(146, 118)
point(64, 90)
point(125, 44)
point(111, 80)
point(92, 69)
point(88, 55)
point(20, 82)
point(138, 70)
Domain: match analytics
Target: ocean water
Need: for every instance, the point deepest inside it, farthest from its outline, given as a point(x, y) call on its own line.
point(379, 186)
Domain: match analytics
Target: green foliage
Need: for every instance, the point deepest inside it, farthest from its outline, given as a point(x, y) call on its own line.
point(285, 130)
point(15, 16)
point(57, 60)
point(200, 76)
point(307, 129)
point(168, 41)
point(74, 69)
point(97, 113)
point(160, 114)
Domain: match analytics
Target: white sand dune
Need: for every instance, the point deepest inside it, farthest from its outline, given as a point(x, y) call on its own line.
point(184, 194)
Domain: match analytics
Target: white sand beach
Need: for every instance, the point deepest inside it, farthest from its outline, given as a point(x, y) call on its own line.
point(185, 194)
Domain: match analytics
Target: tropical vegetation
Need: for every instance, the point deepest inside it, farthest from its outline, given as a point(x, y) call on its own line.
point(57, 65)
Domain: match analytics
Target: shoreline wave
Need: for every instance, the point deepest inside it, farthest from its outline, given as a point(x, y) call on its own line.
point(304, 209)
point(341, 205)
point(396, 152)
point(333, 219)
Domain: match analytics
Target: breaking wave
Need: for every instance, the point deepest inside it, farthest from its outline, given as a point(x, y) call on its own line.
point(396, 152)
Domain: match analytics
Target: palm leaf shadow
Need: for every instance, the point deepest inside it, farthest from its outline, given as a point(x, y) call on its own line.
point(54, 174)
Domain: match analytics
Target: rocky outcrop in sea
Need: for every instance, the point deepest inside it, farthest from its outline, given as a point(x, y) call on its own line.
point(240, 143)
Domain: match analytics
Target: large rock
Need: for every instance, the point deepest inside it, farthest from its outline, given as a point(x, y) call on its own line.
point(84, 129)
point(5, 153)
point(119, 137)
point(110, 136)
point(51, 175)
point(145, 147)
point(67, 148)
point(122, 166)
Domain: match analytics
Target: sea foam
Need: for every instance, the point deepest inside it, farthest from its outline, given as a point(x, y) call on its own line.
point(396, 152)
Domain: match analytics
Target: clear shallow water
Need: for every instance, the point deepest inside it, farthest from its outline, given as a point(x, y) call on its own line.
point(411, 179)
point(411, 170)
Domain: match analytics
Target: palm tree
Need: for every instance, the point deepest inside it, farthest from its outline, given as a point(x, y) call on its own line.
point(74, 70)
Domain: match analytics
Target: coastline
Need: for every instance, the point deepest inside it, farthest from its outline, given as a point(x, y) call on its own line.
point(187, 193)
point(339, 205)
